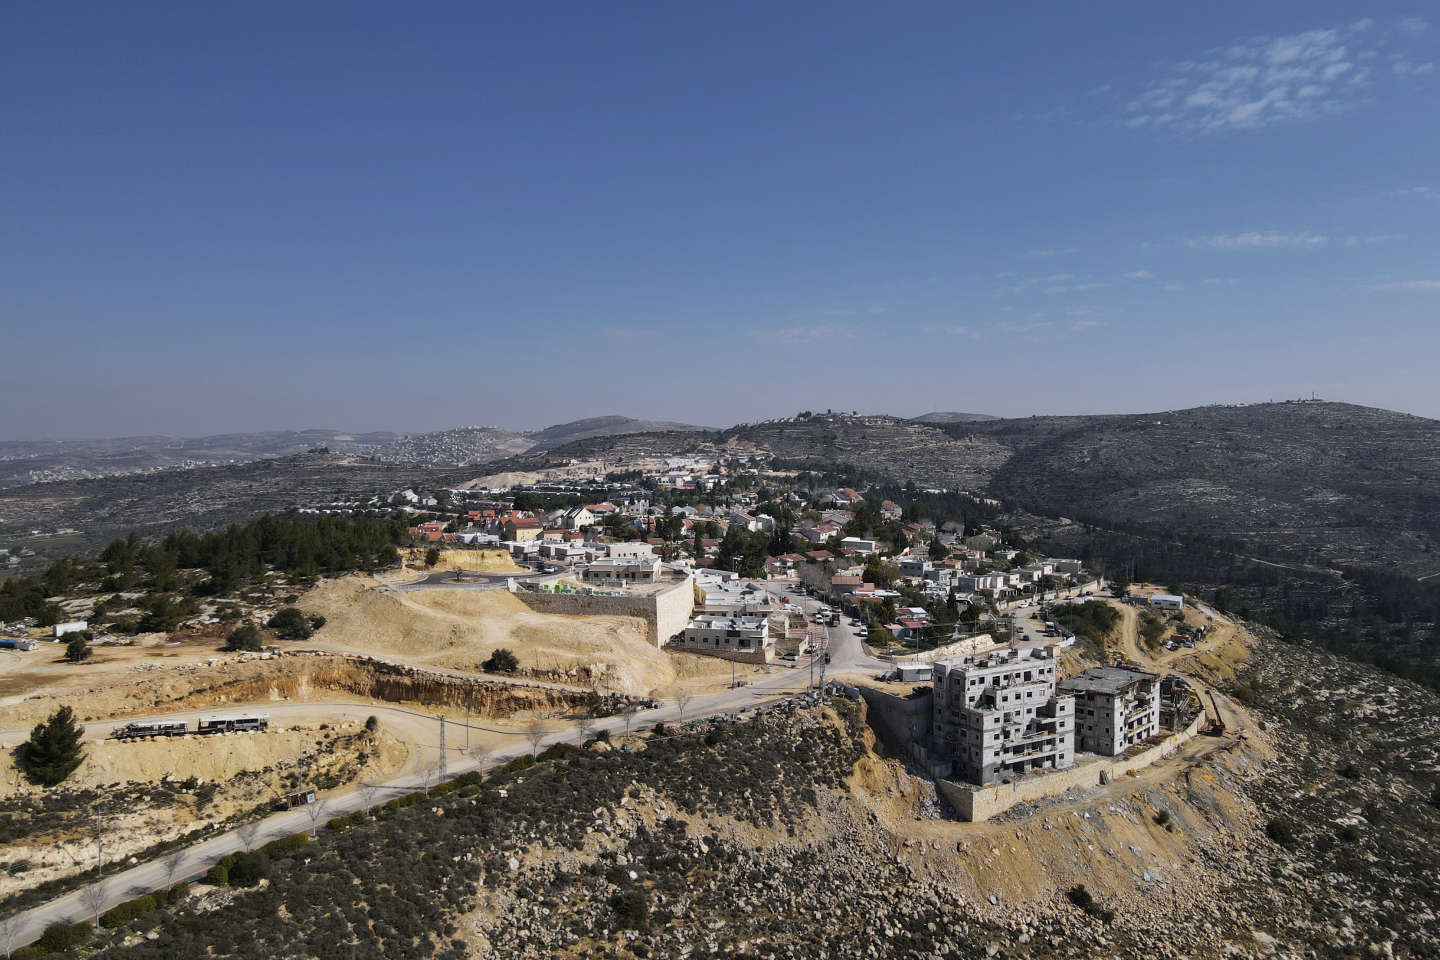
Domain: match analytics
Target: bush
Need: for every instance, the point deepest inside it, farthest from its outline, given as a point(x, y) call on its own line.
point(178, 892)
point(1349, 833)
point(63, 936)
point(1082, 898)
point(277, 849)
point(291, 624)
point(249, 869)
point(1280, 832)
point(1162, 817)
point(245, 637)
point(372, 723)
point(122, 914)
point(632, 909)
point(218, 875)
point(501, 661)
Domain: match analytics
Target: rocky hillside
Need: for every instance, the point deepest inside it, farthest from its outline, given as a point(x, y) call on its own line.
point(1331, 482)
point(785, 836)
point(952, 416)
point(610, 426)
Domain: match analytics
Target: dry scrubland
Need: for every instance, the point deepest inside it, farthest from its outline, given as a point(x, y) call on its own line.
point(458, 629)
point(149, 792)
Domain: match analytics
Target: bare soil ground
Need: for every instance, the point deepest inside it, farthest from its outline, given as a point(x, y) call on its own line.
point(459, 629)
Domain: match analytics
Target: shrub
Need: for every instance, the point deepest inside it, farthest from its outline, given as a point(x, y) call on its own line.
point(249, 869)
point(632, 909)
point(245, 637)
point(63, 936)
point(1349, 833)
point(291, 624)
point(218, 875)
point(123, 913)
point(277, 849)
point(372, 723)
point(1280, 832)
point(501, 661)
point(1162, 817)
point(1082, 898)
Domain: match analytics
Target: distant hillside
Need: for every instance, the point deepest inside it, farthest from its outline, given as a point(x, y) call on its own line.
point(459, 447)
point(1332, 482)
point(203, 498)
point(951, 416)
point(41, 461)
point(611, 426)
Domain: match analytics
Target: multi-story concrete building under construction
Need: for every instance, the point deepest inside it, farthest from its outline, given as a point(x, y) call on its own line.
point(1115, 708)
point(998, 714)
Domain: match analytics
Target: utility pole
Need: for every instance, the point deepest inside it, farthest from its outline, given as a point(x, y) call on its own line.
point(467, 728)
point(442, 746)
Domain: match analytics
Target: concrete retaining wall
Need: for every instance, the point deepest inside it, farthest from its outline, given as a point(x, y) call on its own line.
point(982, 803)
point(665, 613)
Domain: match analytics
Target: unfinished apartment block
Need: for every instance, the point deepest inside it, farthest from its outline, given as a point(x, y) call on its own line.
point(998, 714)
point(1115, 708)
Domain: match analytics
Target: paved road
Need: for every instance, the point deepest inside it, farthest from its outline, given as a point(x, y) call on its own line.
point(82, 904)
point(846, 649)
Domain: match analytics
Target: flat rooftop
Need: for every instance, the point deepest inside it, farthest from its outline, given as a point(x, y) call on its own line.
point(1105, 680)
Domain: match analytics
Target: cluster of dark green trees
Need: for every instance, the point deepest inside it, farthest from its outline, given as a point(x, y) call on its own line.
point(185, 565)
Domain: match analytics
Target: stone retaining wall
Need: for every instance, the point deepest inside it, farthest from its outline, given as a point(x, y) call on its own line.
point(666, 612)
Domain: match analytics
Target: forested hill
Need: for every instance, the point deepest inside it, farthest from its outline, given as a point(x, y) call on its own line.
point(1329, 483)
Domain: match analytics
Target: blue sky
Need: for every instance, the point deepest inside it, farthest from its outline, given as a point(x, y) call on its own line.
point(413, 216)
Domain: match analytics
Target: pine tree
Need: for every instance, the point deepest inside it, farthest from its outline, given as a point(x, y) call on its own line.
point(53, 751)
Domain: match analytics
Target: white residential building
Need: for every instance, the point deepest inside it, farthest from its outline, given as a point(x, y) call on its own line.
point(710, 633)
point(998, 714)
point(623, 570)
point(1115, 708)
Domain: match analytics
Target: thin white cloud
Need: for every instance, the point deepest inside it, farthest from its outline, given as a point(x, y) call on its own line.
point(1221, 281)
point(1004, 274)
point(807, 333)
point(1409, 285)
point(1102, 88)
point(1412, 25)
point(1080, 325)
point(1059, 277)
point(1264, 80)
point(1040, 254)
point(1408, 68)
point(1174, 287)
point(1139, 275)
point(1374, 240)
point(1257, 240)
